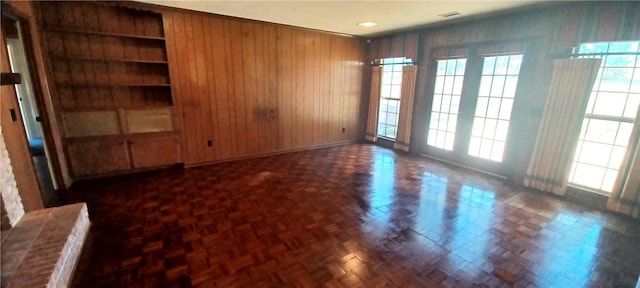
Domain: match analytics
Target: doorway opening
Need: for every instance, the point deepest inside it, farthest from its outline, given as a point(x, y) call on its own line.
point(14, 35)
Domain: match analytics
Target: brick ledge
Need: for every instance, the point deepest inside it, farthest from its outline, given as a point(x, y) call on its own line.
point(43, 248)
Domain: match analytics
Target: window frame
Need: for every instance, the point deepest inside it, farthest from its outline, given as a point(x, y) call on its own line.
point(395, 63)
point(590, 114)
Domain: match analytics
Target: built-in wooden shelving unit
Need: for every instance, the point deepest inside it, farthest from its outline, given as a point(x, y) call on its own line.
point(112, 86)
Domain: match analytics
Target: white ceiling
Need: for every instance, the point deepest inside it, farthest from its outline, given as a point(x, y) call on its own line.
point(342, 16)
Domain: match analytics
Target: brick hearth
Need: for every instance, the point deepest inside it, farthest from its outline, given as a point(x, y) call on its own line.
point(42, 249)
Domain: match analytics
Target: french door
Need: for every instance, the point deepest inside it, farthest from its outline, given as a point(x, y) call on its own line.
point(471, 110)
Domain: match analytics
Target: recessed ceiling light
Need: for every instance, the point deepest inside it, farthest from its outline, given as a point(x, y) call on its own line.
point(368, 24)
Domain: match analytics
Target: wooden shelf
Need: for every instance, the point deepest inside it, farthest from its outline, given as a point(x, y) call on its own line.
point(120, 107)
point(112, 34)
point(134, 136)
point(113, 59)
point(120, 137)
point(114, 85)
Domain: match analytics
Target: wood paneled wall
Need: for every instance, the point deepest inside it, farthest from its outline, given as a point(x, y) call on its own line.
point(603, 21)
point(255, 88)
point(402, 45)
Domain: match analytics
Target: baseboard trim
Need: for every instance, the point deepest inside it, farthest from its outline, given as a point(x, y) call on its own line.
point(502, 177)
point(123, 172)
point(272, 153)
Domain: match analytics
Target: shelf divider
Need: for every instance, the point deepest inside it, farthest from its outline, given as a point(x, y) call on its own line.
point(112, 59)
point(112, 34)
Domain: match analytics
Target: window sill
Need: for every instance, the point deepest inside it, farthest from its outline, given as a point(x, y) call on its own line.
point(387, 138)
point(587, 190)
point(386, 142)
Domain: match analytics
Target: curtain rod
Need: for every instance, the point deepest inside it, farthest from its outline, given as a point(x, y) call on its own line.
point(559, 55)
point(605, 53)
point(402, 63)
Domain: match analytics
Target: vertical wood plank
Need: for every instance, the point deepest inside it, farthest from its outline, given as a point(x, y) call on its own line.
point(326, 85)
point(299, 82)
point(64, 12)
point(194, 73)
point(285, 78)
point(411, 47)
point(373, 50)
point(217, 135)
point(308, 88)
point(241, 117)
point(204, 90)
point(170, 34)
point(317, 92)
point(226, 137)
point(250, 82)
point(231, 105)
point(260, 108)
point(185, 96)
point(397, 44)
point(333, 90)
point(384, 47)
point(339, 91)
point(357, 51)
point(272, 78)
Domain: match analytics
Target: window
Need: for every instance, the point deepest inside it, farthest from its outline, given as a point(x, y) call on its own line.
point(610, 115)
point(493, 110)
point(446, 103)
point(390, 89)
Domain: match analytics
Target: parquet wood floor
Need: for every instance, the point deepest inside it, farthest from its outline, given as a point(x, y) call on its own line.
point(350, 216)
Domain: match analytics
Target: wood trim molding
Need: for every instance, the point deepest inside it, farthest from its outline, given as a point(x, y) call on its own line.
point(15, 138)
point(26, 12)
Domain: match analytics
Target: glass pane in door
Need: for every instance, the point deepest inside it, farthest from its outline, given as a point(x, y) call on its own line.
point(446, 103)
point(493, 110)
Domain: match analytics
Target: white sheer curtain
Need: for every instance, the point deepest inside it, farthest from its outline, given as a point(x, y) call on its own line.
point(567, 97)
point(374, 103)
point(625, 197)
point(405, 116)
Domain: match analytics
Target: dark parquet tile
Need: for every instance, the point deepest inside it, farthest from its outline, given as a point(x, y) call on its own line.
point(350, 216)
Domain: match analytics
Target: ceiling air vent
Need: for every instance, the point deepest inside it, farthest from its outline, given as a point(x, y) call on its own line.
point(449, 14)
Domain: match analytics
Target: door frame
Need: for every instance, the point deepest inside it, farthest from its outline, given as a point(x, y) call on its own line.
point(26, 24)
point(468, 102)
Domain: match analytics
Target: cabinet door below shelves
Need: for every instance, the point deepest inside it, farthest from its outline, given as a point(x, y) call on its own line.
point(97, 157)
point(155, 151)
